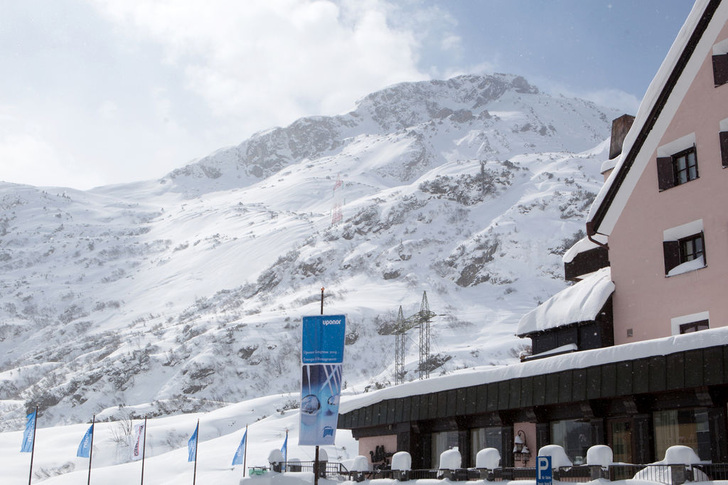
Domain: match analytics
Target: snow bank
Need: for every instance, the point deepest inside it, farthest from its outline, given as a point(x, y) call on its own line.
point(488, 458)
point(450, 460)
point(680, 455)
point(579, 303)
point(360, 464)
point(600, 455)
point(401, 461)
point(557, 454)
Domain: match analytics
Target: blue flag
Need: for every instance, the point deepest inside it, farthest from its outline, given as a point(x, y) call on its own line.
point(284, 449)
point(238, 458)
point(84, 448)
point(29, 433)
point(192, 445)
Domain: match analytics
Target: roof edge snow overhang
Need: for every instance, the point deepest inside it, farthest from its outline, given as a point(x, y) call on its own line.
point(599, 214)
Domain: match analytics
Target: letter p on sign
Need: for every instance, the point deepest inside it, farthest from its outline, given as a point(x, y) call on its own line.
point(544, 474)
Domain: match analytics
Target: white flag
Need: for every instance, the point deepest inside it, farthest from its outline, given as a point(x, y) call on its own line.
point(137, 448)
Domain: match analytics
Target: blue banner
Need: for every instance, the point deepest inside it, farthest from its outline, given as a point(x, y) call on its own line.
point(322, 357)
point(192, 445)
point(29, 433)
point(84, 448)
point(240, 452)
point(323, 339)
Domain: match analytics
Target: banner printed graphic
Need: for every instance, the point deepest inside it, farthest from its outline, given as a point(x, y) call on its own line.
point(29, 433)
point(322, 357)
point(84, 448)
point(137, 448)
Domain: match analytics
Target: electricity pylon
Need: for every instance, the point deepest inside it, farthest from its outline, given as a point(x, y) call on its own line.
point(422, 321)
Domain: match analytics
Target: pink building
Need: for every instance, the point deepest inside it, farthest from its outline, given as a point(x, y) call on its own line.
point(610, 364)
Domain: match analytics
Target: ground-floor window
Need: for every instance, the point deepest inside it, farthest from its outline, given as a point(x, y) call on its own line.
point(687, 427)
point(574, 436)
point(443, 441)
point(481, 438)
point(620, 439)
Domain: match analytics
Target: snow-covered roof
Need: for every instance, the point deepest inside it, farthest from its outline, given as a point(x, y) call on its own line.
point(658, 106)
point(575, 360)
point(579, 303)
point(582, 246)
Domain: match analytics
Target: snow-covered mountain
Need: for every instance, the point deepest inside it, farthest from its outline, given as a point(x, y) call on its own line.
point(187, 292)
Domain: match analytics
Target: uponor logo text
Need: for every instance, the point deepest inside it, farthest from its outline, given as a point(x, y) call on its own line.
point(332, 322)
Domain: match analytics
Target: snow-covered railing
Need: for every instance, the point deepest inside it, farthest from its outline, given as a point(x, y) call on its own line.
point(666, 474)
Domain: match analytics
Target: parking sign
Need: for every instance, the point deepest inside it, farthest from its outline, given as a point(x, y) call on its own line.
point(544, 475)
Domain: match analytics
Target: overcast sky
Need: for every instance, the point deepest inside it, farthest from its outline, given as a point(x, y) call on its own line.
point(96, 92)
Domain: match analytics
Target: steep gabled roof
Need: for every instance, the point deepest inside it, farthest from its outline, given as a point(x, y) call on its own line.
point(659, 105)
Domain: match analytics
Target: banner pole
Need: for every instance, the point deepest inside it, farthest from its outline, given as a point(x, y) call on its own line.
point(197, 441)
point(245, 450)
point(316, 463)
point(91, 448)
point(144, 448)
point(32, 450)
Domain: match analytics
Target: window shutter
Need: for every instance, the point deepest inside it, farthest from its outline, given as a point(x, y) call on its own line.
point(724, 147)
point(665, 175)
point(720, 69)
point(672, 254)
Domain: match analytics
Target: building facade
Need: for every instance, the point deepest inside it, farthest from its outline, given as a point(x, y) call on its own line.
point(639, 365)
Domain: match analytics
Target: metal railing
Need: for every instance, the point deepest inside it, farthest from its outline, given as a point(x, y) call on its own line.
point(666, 474)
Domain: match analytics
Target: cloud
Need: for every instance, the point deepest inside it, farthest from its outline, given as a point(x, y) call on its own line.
point(610, 98)
point(29, 158)
point(260, 63)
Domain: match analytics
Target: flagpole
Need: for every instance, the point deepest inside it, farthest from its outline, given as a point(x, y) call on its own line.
point(144, 448)
point(245, 450)
point(197, 440)
point(91, 449)
point(32, 450)
point(316, 459)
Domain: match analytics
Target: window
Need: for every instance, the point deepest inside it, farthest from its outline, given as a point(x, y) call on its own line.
point(482, 438)
point(691, 248)
point(690, 323)
point(694, 326)
point(677, 162)
point(723, 139)
point(684, 255)
point(685, 166)
point(677, 169)
point(443, 441)
point(574, 436)
point(682, 427)
point(720, 69)
point(720, 63)
point(684, 248)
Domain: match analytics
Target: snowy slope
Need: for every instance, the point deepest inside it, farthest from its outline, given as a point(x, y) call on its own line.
point(186, 293)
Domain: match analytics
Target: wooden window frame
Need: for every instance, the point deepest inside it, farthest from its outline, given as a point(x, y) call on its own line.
point(689, 250)
point(677, 171)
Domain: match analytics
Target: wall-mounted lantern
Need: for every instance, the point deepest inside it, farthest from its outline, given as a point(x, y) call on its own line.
point(520, 449)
